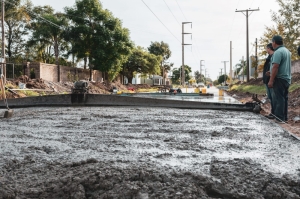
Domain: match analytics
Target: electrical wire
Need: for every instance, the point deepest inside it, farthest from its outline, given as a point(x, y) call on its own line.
point(34, 14)
point(160, 21)
point(172, 12)
point(179, 24)
point(181, 10)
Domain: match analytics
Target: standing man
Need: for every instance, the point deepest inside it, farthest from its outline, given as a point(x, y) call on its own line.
point(266, 77)
point(280, 79)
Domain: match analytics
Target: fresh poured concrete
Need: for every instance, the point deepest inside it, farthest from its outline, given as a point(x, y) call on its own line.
point(138, 152)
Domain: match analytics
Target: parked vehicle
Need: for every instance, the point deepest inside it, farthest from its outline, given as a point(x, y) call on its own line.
point(201, 85)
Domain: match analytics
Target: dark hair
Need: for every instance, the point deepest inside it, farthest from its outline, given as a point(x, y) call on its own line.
point(279, 42)
point(298, 50)
point(270, 46)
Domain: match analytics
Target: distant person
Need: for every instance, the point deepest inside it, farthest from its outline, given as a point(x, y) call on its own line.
point(266, 77)
point(280, 79)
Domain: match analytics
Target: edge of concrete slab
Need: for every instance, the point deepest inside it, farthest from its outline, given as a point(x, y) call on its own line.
point(117, 100)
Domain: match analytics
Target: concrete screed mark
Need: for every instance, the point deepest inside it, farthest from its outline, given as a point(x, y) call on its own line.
point(145, 153)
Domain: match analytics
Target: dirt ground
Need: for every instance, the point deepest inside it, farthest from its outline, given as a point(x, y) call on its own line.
point(145, 153)
point(293, 124)
point(47, 87)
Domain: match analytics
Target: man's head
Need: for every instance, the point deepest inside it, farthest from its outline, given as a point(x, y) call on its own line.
point(277, 41)
point(270, 49)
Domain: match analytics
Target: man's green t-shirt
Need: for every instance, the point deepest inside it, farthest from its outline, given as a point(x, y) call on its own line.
point(282, 56)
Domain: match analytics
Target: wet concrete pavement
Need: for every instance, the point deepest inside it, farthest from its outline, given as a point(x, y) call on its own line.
point(216, 98)
point(107, 152)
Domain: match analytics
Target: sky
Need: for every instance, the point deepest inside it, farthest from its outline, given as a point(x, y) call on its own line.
point(215, 23)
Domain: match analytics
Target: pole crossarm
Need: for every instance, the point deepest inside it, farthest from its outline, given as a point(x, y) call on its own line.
point(251, 10)
point(182, 78)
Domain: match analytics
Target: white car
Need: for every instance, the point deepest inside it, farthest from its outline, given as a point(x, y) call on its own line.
point(201, 85)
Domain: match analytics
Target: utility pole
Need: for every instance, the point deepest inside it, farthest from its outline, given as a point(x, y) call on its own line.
point(256, 61)
point(247, 37)
point(243, 69)
point(183, 44)
point(3, 44)
point(205, 76)
point(201, 69)
point(221, 72)
point(230, 74)
point(224, 71)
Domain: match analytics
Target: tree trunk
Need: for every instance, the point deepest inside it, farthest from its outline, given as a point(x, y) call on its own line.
point(56, 51)
point(9, 41)
point(84, 60)
point(130, 80)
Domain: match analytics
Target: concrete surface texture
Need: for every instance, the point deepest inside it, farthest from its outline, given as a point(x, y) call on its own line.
point(129, 152)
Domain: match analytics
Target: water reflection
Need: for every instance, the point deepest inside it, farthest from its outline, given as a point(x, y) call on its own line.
point(218, 99)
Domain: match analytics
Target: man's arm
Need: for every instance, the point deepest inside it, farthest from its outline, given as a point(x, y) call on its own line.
point(273, 75)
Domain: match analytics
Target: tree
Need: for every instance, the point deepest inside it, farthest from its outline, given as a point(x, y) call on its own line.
point(241, 67)
point(16, 17)
point(162, 49)
point(99, 37)
point(39, 48)
point(223, 78)
point(141, 61)
point(177, 74)
point(50, 32)
point(287, 20)
point(199, 77)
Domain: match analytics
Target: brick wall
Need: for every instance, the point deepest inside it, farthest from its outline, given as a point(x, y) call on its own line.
point(52, 72)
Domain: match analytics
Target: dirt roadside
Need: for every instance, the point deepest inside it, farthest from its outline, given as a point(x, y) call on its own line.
point(44, 87)
point(293, 124)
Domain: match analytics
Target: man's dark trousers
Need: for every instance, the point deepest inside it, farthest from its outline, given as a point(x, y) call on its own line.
point(280, 98)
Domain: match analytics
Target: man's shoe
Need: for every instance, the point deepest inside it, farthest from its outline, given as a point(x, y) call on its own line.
point(279, 122)
point(271, 117)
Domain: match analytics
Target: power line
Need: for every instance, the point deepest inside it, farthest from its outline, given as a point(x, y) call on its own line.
point(181, 10)
point(232, 25)
point(34, 14)
point(161, 21)
point(172, 12)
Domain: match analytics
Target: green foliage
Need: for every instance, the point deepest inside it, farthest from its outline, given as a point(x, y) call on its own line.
point(216, 82)
point(199, 77)
point(16, 18)
point(49, 39)
point(177, 74)
point(287, 24)
point(141, 61)
point(254, 89)
point(98, 36)
point(223, 78)
point(294, 87)
point(162, 49)
point(30, 93)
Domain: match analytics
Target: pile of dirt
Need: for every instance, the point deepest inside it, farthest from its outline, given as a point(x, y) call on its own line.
point(41, 86)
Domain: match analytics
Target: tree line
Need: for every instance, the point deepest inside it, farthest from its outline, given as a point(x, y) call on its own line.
point(84, 32)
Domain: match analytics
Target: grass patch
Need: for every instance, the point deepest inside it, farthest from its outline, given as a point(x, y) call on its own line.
point(30, 93)
point(260, 90)
point(294, 87)
point(253, 89)
point(147, 90)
